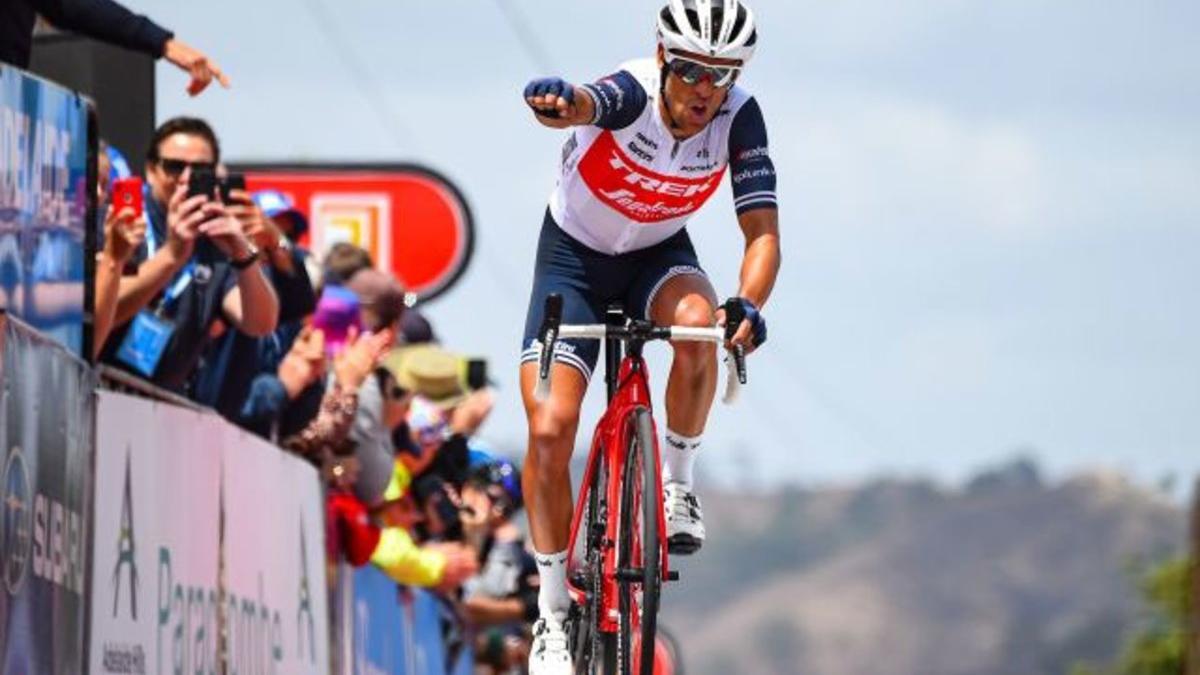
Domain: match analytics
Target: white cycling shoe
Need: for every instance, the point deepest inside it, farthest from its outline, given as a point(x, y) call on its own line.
point(685, 522)
point(549, 654)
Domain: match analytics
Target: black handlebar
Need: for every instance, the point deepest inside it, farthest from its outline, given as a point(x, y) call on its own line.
point(735, 313)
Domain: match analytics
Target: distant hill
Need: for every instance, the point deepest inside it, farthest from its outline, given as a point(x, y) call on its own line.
point(1006, 576)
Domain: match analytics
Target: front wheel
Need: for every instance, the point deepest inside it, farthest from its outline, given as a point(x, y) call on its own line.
point(639, 549)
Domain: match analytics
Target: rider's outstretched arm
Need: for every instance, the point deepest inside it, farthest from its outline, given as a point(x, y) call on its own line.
point(613, 102)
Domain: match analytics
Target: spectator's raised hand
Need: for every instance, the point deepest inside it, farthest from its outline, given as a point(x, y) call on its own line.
point(304, 363)
point(361, 355)
point(469, 415)
point(184, 216)
point(198, 66)
point(461, 564)
point(123, 234)
point(224, 231)
point(255, 224)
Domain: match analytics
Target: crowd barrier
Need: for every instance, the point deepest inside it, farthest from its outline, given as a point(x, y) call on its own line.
point(46, 424)
point(142, 536)
point(138, 533)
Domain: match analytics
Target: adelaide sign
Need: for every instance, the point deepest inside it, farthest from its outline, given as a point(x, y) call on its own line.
point(412, 220)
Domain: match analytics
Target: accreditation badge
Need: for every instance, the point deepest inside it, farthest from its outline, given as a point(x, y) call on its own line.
point(145, 343)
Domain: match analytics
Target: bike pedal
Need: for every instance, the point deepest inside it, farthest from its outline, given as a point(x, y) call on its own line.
point(673, 575)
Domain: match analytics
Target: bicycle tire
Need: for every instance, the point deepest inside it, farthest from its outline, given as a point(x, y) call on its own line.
point(651, 541)
point(638, 548)
point(589, 649)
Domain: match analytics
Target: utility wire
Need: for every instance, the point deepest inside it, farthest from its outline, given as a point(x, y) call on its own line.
point(360, 74)
point(525, 36)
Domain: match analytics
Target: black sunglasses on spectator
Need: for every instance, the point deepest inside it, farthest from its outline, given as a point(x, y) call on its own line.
point(175, 167)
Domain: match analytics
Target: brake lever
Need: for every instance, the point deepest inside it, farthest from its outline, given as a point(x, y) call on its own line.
point(551, 320)
point(734, 315)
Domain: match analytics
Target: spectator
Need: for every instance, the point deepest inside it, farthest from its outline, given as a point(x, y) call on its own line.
point(109, 22)
point(282, 401)
point(444, 565)
point(121, 235)
point(381, 297)
point(197, 266)
point(327, 434)
point(415, 329)
point(344, 260)
point(234, 360)
point(502, 598)
point(294, 225)
point(382, 302)
point(444, 414)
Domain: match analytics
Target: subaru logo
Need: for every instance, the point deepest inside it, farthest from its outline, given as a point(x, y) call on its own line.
point(16, 520)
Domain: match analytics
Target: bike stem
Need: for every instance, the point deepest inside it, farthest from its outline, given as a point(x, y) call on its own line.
point(615, 316)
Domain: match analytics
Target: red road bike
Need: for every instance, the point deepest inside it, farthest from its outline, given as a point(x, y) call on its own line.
point(617, 559)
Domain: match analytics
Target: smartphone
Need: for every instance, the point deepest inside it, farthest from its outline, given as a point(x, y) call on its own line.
point(234, 181)
point(127, 194)
point(477, 373)
point(202, 182)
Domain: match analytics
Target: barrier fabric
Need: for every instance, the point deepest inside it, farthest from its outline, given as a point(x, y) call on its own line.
point(274, 559)
point(46, 428)
point(199, 526)
point(155, 591)
point(44, 201)
point(400, 631)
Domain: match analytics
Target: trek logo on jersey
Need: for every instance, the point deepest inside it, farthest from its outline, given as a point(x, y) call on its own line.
point(637, 192)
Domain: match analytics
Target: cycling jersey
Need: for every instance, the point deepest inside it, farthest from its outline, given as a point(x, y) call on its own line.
point(628, 184)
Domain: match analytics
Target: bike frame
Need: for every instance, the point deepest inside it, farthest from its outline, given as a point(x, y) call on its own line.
point(630, 389)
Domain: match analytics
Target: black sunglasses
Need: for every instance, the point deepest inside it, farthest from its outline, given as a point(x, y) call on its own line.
point(692, 72)
point(175, 167)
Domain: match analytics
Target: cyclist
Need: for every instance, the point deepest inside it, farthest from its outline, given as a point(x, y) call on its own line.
point(649, 145)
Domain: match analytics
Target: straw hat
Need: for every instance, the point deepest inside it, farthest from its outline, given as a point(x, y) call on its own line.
point(429, 371)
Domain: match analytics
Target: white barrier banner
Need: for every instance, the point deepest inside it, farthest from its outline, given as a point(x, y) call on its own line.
point(155, 557)
point(177, 491)
point(274, 560)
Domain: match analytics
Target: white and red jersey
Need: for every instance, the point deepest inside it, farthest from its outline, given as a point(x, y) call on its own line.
point(628, 184)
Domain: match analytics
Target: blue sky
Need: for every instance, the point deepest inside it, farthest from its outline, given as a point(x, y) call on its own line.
point(990, 213)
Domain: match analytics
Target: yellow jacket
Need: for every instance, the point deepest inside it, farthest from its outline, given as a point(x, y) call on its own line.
point(397, 554)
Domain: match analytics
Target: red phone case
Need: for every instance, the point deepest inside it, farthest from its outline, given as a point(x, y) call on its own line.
point(127, 192)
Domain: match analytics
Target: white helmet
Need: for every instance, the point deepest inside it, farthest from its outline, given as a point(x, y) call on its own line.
point(718, 28)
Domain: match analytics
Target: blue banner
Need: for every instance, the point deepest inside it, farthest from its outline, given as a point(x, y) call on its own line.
point(43, 204)
point(403, 631)
point(382, 639)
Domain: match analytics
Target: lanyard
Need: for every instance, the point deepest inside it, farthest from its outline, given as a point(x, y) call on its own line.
point(183, 279)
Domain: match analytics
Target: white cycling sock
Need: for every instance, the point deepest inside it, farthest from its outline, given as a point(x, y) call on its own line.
point(679, 455)
point(553, 599)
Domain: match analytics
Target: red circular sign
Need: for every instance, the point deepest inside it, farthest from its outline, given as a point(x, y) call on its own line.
point(412, 220)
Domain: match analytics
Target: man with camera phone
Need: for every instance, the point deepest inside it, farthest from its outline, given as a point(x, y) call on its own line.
point(196, 266)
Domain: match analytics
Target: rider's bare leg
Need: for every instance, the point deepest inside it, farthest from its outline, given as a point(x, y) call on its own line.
point(546, 478)
point(688, 300)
